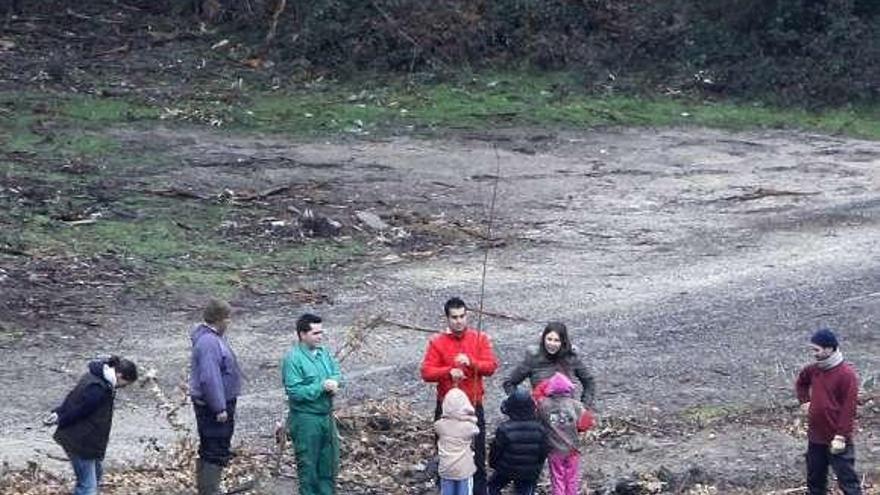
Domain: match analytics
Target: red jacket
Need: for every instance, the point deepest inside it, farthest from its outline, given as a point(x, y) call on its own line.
point(440, 358)
point(833, 395)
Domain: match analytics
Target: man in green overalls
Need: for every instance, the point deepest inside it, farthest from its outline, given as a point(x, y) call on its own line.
point(311, 378)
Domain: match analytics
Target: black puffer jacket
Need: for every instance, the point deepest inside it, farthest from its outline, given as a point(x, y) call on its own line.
point(537, 366)
point(520, 445)
point(85, 416)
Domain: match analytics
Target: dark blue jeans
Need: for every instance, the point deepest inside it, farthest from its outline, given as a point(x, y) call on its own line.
point(214, 437)
point(88, 475)
point(456, 487)
point(843, 464)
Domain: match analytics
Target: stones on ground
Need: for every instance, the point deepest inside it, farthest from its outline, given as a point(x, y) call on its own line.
point(693, 480)
point(372, 220)
point(625, 486)
point(319, 226)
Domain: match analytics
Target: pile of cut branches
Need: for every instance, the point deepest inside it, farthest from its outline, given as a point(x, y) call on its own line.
point(387, 449)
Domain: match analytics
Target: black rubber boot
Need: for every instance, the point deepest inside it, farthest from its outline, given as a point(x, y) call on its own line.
point(208, 478)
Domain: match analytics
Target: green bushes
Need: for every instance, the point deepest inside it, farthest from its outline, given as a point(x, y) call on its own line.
point(812, 51)
point(803, 51)
point(800, 50)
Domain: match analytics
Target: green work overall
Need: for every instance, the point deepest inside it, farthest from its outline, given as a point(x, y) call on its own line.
point(310, 422)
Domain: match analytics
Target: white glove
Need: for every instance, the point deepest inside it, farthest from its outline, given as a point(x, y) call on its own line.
point(51, 419)
point(456, 374)
point(838, 445)
point(331, 386)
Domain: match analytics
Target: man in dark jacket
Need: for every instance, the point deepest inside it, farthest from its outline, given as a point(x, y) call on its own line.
point(828, 391)
point(519, 448)
point(85, 417)
point(214, 386)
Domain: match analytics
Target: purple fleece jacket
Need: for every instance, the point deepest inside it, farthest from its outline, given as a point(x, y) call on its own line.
point(215, 377)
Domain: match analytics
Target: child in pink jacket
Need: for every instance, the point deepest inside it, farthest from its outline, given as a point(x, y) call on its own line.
point(565, 418)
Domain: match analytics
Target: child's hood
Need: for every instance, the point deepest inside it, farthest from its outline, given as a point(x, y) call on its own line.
point(457, 406)
point(559, 384)
point(519, 405)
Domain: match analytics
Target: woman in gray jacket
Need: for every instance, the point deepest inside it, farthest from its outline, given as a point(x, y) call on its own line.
point(553, 354)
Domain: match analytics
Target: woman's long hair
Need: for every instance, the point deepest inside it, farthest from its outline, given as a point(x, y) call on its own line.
point(561, 330)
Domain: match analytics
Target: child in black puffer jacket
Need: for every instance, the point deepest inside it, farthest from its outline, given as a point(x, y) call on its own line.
point(520, 446)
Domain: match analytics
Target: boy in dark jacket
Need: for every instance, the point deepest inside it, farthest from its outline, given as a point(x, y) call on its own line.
point(85, 417)
point(520, 446)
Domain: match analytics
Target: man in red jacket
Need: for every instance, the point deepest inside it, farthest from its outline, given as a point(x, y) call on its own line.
point(828, 392)
point(460, 357)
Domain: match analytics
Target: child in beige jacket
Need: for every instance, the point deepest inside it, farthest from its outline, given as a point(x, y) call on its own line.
point(456, 429)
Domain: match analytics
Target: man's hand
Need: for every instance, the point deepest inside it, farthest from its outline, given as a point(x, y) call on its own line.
point(331, 386)
point(222, 417)
point(838, 445)
point(281, 434)
point(456, 374)
point(51, 419)
point(805, 407)
point(462, 360)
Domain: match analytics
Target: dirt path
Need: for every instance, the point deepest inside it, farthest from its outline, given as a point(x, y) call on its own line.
point(691, 265)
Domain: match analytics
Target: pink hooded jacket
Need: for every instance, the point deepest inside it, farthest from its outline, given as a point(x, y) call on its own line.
point(559, 384)
point(562, 414)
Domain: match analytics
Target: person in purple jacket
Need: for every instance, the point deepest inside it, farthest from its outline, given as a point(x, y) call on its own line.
point(214, 385)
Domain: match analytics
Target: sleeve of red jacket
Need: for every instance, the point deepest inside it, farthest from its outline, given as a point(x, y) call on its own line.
point(433, 368)
point(802, 385)
point(848, 404)
point(485, 361)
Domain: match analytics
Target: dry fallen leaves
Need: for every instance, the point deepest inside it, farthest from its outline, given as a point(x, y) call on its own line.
point(385, 446)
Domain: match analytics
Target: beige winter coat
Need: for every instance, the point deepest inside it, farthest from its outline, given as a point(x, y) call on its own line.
point(456, 429)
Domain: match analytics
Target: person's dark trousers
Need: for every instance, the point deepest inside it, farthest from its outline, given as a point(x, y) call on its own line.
point(819, 457)
point(214, 437)
point(479, 447)
point(497, 483)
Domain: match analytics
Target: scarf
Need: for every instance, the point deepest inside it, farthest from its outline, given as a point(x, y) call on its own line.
point(831, 361)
